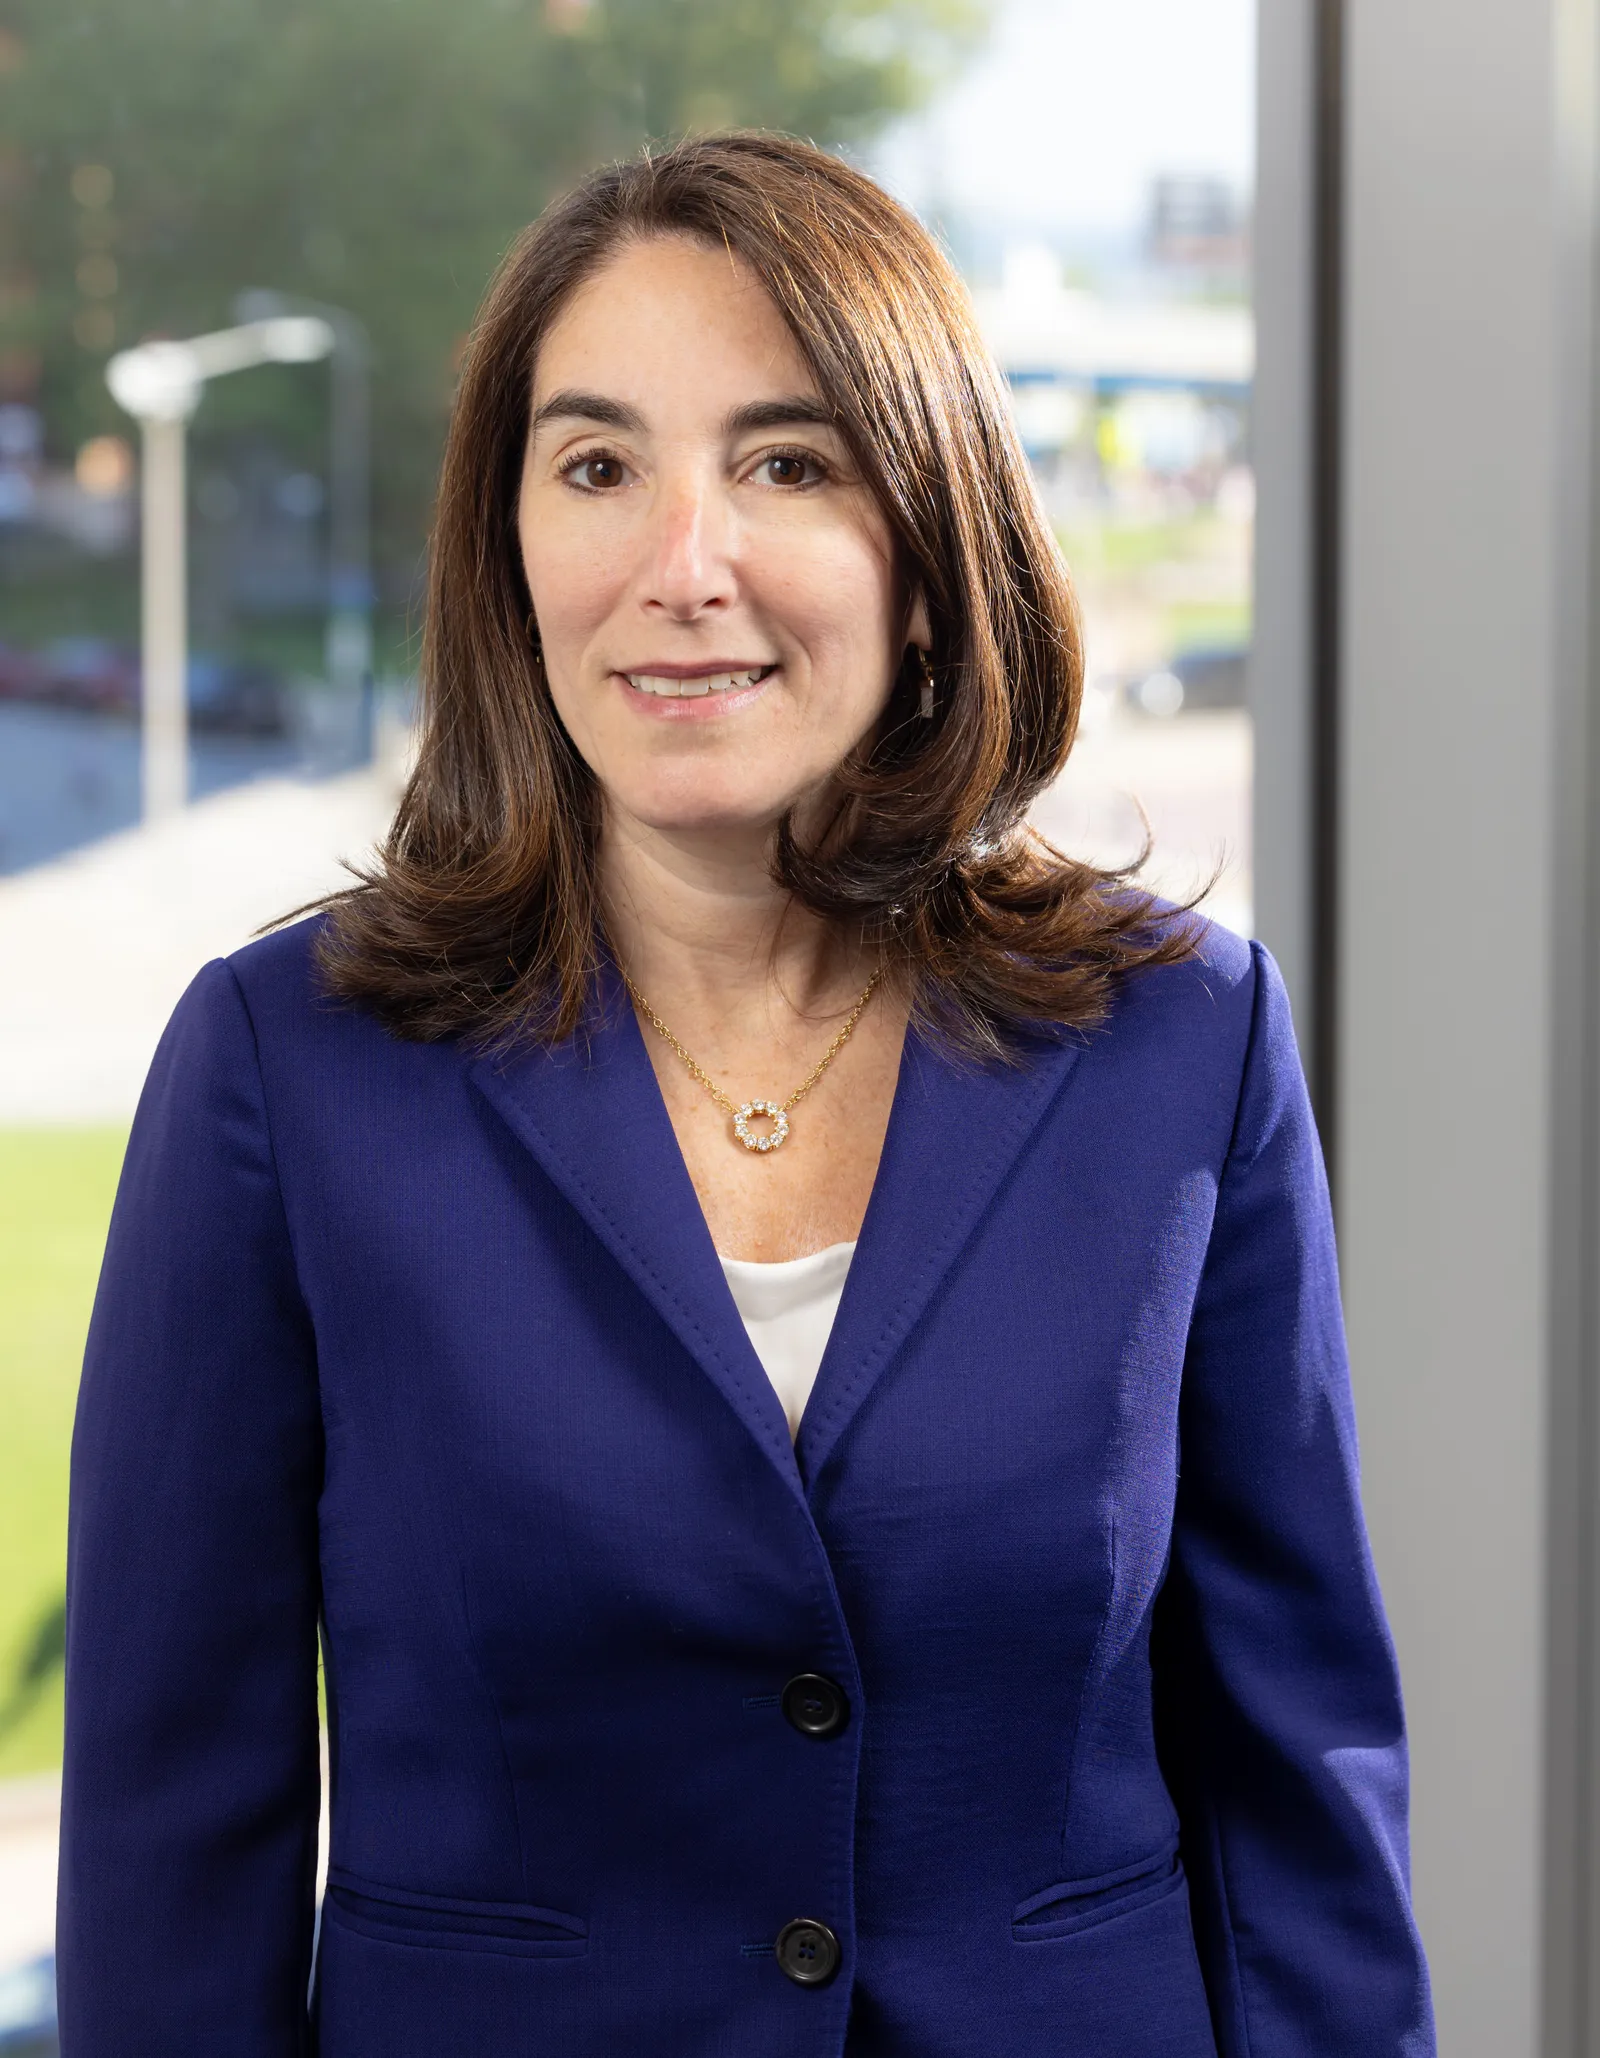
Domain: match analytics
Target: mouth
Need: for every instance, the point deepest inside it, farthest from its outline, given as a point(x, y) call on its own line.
point(695, 685)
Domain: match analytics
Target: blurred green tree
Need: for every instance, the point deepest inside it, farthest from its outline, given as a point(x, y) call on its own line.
point(158, 158)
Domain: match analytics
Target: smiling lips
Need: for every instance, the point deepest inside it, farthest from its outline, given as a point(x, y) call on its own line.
point(675, 687)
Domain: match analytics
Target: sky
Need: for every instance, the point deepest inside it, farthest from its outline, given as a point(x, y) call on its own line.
point(1071, 108)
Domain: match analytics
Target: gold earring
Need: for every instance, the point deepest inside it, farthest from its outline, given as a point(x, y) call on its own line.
point(925, 687)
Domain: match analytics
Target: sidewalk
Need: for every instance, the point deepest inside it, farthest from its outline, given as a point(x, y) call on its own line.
point(30, 1821)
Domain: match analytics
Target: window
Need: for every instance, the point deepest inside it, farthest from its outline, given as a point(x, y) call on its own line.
point(1091, 174)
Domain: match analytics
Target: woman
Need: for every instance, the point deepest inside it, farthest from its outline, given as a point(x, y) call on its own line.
point(695, 1276)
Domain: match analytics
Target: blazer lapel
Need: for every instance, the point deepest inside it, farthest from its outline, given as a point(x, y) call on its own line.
point(591, 1113)
point(955, 1131)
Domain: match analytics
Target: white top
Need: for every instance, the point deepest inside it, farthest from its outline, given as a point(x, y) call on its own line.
point(788, 1310)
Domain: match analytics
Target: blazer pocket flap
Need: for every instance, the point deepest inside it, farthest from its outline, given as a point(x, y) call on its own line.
point(1076, 1904)
point(401, 1914)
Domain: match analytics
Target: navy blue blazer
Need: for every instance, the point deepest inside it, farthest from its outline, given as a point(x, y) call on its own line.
point(432, 1351)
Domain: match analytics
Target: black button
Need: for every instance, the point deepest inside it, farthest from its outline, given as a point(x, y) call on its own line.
point(815, 1705)
point(808, 1952)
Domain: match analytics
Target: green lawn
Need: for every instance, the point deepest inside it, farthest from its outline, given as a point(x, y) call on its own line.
point(1207, 624)
point(1127, 566)
point(56, 1188)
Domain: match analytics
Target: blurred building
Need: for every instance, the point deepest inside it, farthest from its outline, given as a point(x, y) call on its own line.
point(1198, 224)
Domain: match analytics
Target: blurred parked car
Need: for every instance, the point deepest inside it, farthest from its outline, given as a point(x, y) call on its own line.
point(88, 672)
point(20, 673)
point(1207, 677)
point(227, 696)
point(237, 697)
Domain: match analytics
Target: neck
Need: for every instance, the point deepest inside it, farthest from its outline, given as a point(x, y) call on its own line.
point(702, 927)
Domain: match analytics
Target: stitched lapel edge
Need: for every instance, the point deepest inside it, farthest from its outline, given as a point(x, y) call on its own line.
point(516, 1089)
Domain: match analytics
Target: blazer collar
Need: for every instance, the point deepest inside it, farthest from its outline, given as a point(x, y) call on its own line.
point(591, 1113)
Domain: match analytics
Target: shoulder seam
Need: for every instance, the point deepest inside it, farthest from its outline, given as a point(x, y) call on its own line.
point(1252, 1036)
point(266, 1124)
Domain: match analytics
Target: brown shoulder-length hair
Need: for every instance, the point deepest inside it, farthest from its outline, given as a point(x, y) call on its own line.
point(482, 916)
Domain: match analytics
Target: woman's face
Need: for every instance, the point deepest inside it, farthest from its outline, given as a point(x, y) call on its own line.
point(715, 588)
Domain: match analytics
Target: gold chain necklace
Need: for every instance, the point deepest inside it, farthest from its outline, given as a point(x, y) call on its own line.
point(777, 1112)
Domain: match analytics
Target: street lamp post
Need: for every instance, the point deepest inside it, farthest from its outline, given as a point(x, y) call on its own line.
point(163, 603)
point(160, 384)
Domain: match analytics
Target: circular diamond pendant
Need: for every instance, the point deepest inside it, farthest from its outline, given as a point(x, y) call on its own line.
point(774, 1136)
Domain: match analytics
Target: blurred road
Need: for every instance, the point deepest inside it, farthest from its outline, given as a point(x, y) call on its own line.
point(67, 777)
point(98, 946)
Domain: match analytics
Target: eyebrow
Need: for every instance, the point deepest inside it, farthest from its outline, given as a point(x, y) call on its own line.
point(778, 414)
point(572, 405)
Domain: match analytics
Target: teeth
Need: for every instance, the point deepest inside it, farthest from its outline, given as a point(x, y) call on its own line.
point(676, 689)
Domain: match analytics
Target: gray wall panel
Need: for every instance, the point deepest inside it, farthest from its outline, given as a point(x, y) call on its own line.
point(1281, 414)
point(1449, 693)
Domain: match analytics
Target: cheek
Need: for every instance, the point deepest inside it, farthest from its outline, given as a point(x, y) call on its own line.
point(838, 590)
point(572, 577)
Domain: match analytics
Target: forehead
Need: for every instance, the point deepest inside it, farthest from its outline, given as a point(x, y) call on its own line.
point(672, 319)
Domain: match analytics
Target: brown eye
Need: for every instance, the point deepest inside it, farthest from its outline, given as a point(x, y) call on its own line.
point(789, 468)
point(599, 472)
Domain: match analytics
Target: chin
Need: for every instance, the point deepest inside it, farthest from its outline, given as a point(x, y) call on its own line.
point(707, 813)
point(711, 821)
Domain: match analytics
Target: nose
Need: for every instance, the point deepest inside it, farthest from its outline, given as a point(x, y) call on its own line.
point(688, 568)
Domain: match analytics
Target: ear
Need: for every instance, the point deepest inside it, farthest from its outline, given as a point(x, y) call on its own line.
point(918, 629)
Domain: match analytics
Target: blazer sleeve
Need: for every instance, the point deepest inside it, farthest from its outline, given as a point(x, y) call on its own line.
point(190, 1790)
point(1277, 1694)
